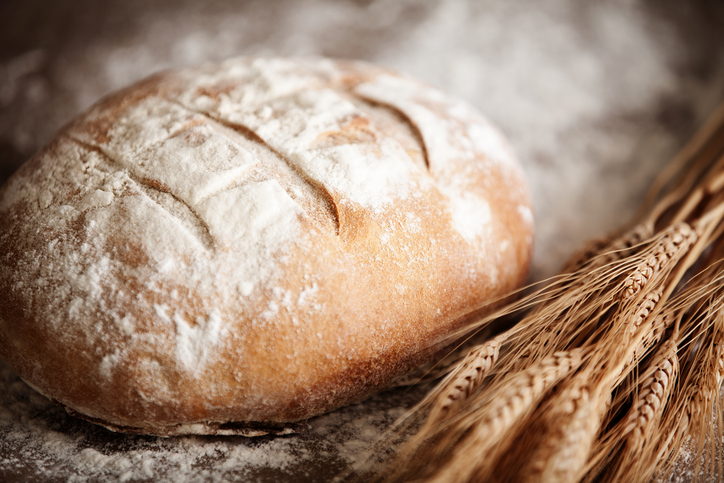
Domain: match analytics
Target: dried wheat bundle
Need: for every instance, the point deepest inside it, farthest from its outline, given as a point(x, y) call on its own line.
point(614, 366)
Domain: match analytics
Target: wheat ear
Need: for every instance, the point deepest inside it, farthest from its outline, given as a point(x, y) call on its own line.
point(452, 392)
point(570, 426)
point(602, 252)
point(504, 407)
point(655, 390)
point(467, 376)
point(673, 244)
point(639, 429)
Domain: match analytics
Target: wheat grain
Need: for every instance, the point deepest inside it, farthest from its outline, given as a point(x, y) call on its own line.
point(504, 408)
point(655, 390)
point(571, 428)
point(599, 253)
point(628, 379)
point(655, 334)
point(643, 311)
point(652, 335)
point(469, 375)
point(674, 242)
point(455, 389)
point(657, 455)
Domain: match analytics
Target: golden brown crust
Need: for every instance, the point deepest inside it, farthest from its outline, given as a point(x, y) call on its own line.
point(256, 242)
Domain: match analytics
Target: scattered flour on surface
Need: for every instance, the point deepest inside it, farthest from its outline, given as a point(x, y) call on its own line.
point(46, 443)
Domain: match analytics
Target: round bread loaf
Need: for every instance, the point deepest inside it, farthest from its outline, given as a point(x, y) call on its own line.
point(235, 247)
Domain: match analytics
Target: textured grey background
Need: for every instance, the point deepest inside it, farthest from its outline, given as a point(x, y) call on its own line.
point(596, 96)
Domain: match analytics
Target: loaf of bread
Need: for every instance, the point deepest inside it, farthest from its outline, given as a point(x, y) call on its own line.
point(236, 247)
